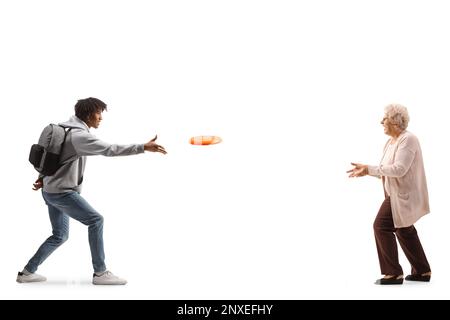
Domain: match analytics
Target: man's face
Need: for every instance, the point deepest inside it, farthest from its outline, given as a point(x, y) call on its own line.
point(95, 119)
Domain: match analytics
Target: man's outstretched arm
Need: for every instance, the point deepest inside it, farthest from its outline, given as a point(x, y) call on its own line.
point(86, 144)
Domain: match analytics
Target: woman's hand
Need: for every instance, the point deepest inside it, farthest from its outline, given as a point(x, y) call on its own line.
point(360, 170)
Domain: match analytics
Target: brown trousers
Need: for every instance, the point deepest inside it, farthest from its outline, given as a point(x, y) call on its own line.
point(384, 229)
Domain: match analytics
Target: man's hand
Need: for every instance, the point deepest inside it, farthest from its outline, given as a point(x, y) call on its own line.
point(360, 170)
point(39, 183)
point(153, 147)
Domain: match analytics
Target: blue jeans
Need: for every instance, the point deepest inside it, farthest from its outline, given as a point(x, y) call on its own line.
point(61, 206)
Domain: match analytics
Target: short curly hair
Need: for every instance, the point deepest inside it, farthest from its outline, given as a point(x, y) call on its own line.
point(397, 115)
point(86, 107)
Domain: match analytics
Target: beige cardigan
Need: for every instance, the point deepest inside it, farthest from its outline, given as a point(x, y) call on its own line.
point(405, 176)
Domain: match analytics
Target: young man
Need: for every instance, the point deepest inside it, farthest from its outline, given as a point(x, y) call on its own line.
point(61, 192)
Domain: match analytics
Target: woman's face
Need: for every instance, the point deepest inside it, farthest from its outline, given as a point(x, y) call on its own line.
point(389, 128)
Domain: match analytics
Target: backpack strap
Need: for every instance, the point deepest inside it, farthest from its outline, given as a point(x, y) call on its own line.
point(65, 136)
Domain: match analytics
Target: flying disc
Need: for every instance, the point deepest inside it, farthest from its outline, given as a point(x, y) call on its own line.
point(205, 140)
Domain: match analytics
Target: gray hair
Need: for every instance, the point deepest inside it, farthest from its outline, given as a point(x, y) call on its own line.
point(397, 115)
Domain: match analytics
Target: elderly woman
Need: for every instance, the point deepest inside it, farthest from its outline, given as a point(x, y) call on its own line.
point(406, 199)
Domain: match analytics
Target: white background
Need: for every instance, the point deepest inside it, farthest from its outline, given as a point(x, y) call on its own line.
point(296, 90)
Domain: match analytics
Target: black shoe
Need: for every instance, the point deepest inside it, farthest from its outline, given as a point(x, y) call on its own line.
point(393, 280)
point(418, 277)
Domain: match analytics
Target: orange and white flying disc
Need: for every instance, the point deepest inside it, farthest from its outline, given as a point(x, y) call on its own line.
point(205, 140)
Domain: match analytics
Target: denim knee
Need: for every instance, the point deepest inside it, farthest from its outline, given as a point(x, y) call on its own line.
point(60, 238)
point(98, 220)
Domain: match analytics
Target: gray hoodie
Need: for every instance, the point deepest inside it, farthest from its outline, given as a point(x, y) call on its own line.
point(79, 144)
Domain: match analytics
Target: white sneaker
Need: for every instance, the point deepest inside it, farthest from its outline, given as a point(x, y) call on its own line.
point(32, 277)
point(108, 278)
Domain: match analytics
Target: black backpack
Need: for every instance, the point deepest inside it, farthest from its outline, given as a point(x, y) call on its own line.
point(45, 155)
